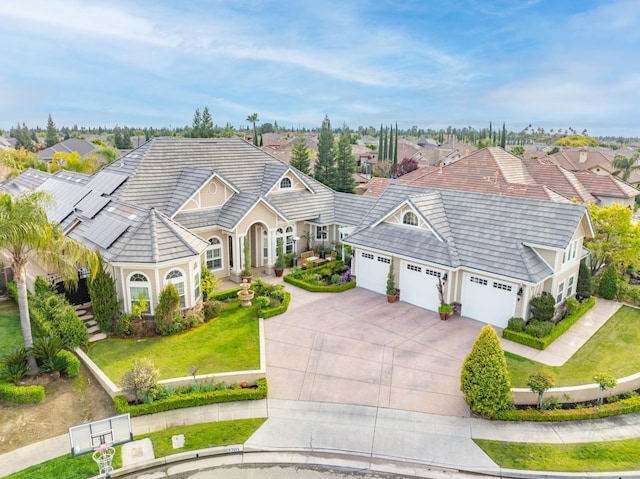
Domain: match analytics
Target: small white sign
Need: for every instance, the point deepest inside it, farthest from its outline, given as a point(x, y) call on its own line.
point(178, 441)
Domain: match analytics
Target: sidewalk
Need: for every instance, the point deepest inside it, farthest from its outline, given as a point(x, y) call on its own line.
point(334, 432)
point(566, 345)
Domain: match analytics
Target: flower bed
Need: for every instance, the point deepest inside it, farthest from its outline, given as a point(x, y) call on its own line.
point(332, 277)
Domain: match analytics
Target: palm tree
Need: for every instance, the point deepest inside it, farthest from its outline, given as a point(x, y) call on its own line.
point(625, 166)
point(72, 162)
point(26, 233)
point(253, 118)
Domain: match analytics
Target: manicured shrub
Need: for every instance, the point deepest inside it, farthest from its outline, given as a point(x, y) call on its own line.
point(485, 379)
point(539, 382)
point(12, 291)
point(270, 312)
point(21, 394)
point(104, 298)
point(167, 311)
point(609, 283)
point(211, 309)
point(584, 287)
point(543, 307)
point(516, 324)
point(124, 325)
point(262, 302)
point(72, 363)
point(539, 329)
point(208, 283)
point(571, 304)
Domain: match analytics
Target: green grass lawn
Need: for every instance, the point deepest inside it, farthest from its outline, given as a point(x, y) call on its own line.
point(197, 436)
point(614, 348)
point(10, 332)
point(577, 457)
point(229, 342)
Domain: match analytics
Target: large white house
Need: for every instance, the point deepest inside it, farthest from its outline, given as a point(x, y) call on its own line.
point(174, 206)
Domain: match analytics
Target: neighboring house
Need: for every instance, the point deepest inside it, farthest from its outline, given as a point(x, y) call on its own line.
point(83, 147)
point(495, 171)
point(165, 210)
point(594, 160)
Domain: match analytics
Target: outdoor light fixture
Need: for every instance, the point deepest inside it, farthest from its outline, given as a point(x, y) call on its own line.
point(519, 294)
point(444, 278)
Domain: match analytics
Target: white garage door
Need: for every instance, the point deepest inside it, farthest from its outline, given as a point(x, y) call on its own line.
point(418, 285)
point(372, 270)
point(487, 300)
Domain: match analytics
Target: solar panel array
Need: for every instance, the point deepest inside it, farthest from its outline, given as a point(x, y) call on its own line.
point(105, 232)
point(106, 182)
point(92, 204)
point(66, 196)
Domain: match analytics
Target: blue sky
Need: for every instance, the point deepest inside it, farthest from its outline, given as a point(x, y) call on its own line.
point(554, 64)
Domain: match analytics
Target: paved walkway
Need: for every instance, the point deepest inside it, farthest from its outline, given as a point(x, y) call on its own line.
point(353, 374)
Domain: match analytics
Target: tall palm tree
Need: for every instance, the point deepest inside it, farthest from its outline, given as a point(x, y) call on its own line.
point(253, 118)
point(27, 233)
point(623, 166)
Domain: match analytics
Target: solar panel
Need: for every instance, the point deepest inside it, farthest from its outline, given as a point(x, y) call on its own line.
point(66, 195)
point(106, 182)
point(105, 231)
point(92, 204)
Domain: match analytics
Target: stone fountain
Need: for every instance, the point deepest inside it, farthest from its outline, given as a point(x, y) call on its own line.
point(245, 294)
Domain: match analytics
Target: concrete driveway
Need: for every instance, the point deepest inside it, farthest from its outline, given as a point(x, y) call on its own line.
point(355, 348)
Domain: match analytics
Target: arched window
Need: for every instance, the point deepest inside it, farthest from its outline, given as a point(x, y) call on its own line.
point(139, 286)
point(213, 254)
point(410, 219)
point(176, 278)
point(285, 183)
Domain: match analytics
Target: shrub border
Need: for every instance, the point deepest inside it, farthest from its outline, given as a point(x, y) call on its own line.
point(561, 328)
point(180, 401)
point(293, 278)
point(266, 313)
point(22, 394)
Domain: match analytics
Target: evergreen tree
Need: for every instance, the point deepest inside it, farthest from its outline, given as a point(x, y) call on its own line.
point(104, 298)
point(126, 139)
point(117, 138)
point(380, 153)
point(485, 379)
point(395, 151)
point(584, 287)
point(385, 154)
point(196, 126)
point(206, 129)
point(52, 133)
point(300, 157)
point(345, 164)
point(503, 138)
point(23, 137)
point(609, 282)
point(324, 170)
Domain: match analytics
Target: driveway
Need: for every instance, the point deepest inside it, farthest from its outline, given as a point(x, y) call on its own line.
point(355, 348)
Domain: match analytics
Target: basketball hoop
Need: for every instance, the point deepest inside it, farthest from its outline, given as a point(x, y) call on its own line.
point(103, 457)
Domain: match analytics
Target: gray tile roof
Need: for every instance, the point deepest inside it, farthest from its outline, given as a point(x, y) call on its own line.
point(83, 147)
point(484, 232)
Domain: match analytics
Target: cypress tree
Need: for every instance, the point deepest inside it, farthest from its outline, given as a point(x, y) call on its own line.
point(395, 151)
point(384, 144)
point(380, 152)
point(503, 140)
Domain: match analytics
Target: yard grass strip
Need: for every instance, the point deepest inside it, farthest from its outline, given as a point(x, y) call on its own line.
point(10, 332)
point(229, 342)
point(609, 456)
point(614, 348)
point(197, 436)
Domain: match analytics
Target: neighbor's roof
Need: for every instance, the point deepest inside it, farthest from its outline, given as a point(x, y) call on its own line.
point(83, 147)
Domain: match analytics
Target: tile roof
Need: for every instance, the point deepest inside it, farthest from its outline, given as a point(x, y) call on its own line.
point(483, 232)
point(83, 147)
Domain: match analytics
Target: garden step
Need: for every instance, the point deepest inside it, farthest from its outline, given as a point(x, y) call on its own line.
point(97, 337)
point(90, 323)
point(93, 329)
point(86, 317)
point(81, 306)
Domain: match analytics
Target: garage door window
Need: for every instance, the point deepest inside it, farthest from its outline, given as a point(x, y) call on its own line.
point(384, 260)
point(431, 272)
point(475, 279)
point(502, 286)
point(413, 267)
point(367, 255)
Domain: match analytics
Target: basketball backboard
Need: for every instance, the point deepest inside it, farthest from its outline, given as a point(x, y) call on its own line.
point(87, 438)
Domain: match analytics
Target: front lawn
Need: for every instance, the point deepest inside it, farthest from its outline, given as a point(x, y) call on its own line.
point(229, 342)
point(614, 348)
point(10, 332)
point(577, 457)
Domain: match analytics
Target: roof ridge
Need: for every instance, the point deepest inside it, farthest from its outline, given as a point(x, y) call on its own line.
point(155, 255)
point(175, 227)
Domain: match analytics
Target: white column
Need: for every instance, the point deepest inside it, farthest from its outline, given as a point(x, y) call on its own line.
point(234, 274)
point(271, 251)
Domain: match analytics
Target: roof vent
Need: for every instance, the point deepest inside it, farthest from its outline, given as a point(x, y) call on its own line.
point(132, 216)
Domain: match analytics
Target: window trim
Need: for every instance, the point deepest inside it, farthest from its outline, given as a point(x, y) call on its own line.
point(177, 280)
point(139, 284)
point(560, 292)
point(286, 183)
point(570, 285)
point(212, 248)
point(412, 216)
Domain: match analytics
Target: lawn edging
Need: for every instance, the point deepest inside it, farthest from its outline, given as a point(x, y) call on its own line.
point(521, 337)
point(248, 376)
point(266, 313)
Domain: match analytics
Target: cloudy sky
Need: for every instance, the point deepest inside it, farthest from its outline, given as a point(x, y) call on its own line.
point(430, 63)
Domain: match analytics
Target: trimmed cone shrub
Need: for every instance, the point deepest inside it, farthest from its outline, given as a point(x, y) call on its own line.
point(584, 287)
point(485, 379)
point(608, 283)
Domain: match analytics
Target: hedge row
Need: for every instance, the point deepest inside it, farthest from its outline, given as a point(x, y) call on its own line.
point(624, 406)
point(179, 401)
point(21, 394)
point(560, 328)
point(73, 363)
point(294, 279)
point(226, 294)
point(276, 310)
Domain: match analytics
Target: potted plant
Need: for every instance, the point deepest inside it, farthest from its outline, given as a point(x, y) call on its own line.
point(391, 285)
point(278, 267)
point(246, 272)
point(444, 309)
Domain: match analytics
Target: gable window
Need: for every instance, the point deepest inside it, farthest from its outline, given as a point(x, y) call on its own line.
point(176, 278)
point(410, 219)
point(139, 286)
point(560, 295)
point(571, 252)
point(570, 286)
point(285, 183)
point(213, 254)
point(196, 281)
point(321, 232)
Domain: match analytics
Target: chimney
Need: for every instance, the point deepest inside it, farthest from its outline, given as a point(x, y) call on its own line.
point(583, 156)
